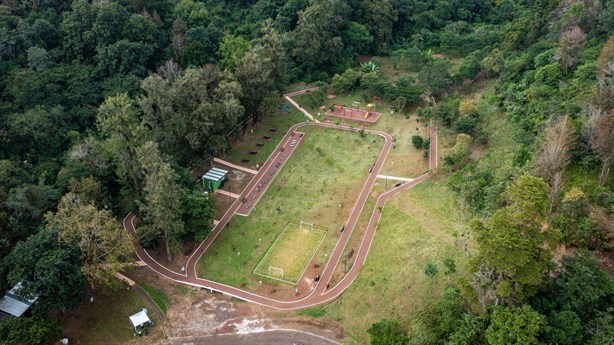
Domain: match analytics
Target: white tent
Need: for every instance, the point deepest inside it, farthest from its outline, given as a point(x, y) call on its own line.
point(139, 318)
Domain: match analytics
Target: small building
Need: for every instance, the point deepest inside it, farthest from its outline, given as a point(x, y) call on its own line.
point(214, 179)
point(11, 305)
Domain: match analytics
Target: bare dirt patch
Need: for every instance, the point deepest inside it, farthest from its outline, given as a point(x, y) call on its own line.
point(194, 312)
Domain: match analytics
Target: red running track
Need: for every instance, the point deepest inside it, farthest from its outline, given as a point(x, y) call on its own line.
point(320, 294)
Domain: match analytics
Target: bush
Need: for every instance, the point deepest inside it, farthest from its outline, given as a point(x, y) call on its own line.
point(417, 141)
point(430, 269)
point(450, 265)
point(426, 144)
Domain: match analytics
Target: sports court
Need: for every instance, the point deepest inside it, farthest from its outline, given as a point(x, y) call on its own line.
point(291, 252)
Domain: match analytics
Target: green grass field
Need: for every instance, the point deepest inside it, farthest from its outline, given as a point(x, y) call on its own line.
point(404, 159)
point(318, 184)
point(291, 252)
point(418, 226)
point(105, 321)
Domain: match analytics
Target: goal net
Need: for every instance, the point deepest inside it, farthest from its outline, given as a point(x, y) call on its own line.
point(305, 226)
point(276, 272)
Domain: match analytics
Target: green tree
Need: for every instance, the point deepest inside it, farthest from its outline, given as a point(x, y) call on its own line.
point(564, 328)
point(118, 119)
point(515, 246)
point(435, 76)
point(124, 57)
point(253, 74)
point(48, 270)
point(581, 287)
point(515, 325)
point(387, 332)
point(379, 18)
point(38, 58)
point(109, 22)
point(318, 37)
point(31, 330)
point(103, 243)
point(78, 36)
point(417, 141)
point(161, 208)
point(198, 215)
point(231, 51)
point(357, 38)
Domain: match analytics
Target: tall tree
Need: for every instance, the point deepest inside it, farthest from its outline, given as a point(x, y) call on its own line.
point(161, 208)
point(600, 133)
point(47, 269)
point(516, 244)
point(253, 73)
point(103, 243)
point(318, 35)
point(119, 120)
point(515, 326)
point(553, 156)
point(571, 44)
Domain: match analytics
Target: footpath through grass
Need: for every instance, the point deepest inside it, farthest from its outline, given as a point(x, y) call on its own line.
point(418, 226)
point(318, 184)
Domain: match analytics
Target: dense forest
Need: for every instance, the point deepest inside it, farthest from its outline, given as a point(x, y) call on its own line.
point(105, 105)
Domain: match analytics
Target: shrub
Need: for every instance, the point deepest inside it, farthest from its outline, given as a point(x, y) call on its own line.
point(430, 269)
point(417, 141)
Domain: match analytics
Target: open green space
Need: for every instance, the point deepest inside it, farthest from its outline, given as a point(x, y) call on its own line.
point(404, 159)
point(290, 253)
point(279, 120)
point(318, 184)
point(105, 321)
point(158, 296)
point(418, 226)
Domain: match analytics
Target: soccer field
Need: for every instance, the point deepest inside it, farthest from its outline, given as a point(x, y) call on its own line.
point(318, 184)
point(291, 252)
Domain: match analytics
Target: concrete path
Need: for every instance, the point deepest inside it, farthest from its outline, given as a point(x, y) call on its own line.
point(395, 178)
point(301, 109)
point(234, 166)
point(263, 181)
point(227, 193)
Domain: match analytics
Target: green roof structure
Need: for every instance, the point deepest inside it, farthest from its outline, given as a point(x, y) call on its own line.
point(214, 179)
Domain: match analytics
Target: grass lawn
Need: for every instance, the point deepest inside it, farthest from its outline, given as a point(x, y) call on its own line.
point(319, 184)
point(418, 226)
point(278, 120)
point(291, 253)
point(105, 321)
point(404, 159)
point(159, 297)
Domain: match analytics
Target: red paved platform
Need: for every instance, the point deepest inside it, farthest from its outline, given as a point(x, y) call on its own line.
point(354, 114)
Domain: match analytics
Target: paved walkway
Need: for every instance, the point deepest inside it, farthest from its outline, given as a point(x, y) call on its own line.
point(234, 166)
point(395, 178)
point(301, 109)
point(320, 294)
point(227, 193)
point(263, 181)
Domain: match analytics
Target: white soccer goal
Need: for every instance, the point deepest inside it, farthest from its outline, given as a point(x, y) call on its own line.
point(273, 269)
point(305, 225)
